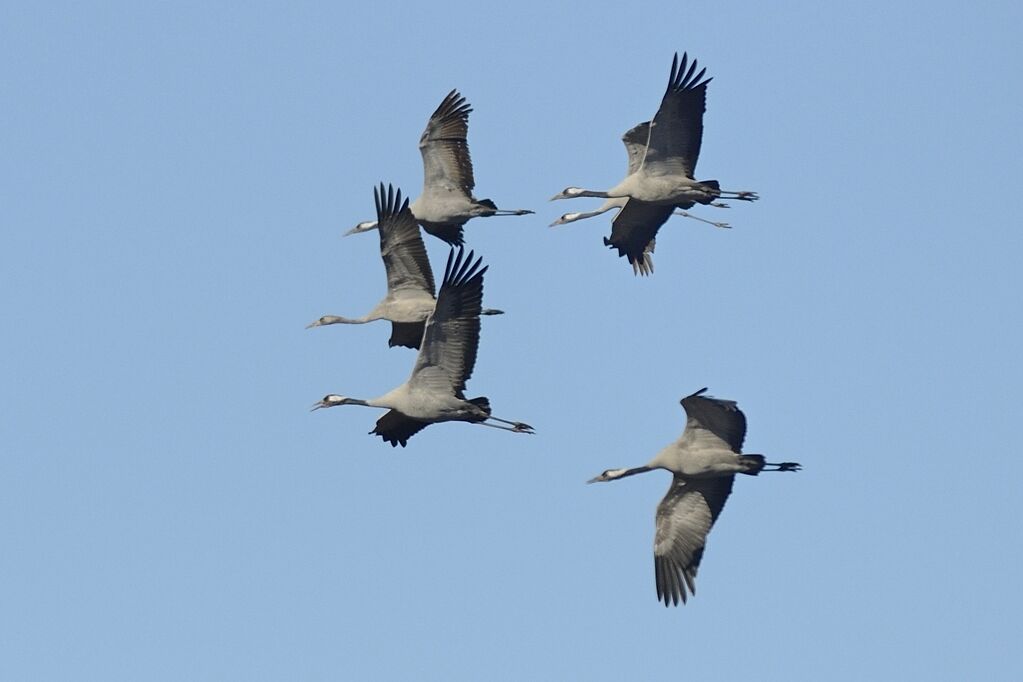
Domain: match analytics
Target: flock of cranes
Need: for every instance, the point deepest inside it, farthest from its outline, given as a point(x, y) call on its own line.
point(660, 182)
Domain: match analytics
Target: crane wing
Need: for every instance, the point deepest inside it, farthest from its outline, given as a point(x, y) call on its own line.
point(633, 231)
point(635, 140)
point(711, 419)
point(396, 428)
point(401, 245)
point(447, 166)
point(684, 518)
point(677, 129)
point(448, 354)
point(407, 334)
point(451, 233)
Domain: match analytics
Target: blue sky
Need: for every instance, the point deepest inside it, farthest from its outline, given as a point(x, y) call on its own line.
point(174, 183)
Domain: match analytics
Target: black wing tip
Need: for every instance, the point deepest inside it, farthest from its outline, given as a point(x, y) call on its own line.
point(681, 79)
point(696, 393)
point(395, 441)
point(636, 260)
point(671, 581)
point(454, 105)
point(389, 201)
point(460, 268)
point(449, 233)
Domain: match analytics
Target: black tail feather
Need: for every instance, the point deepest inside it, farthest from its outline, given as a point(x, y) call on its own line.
point(482, 402)
point(754, 464)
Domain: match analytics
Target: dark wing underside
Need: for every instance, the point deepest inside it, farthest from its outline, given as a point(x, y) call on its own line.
point(684, 518)
point(452, 334)
point(723, 418)
point(407, 334)
point(396, 428)
point(677, 130)
point(635, 227)
point(452, 233)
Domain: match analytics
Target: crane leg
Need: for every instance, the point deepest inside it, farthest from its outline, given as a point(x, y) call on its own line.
point(686, 214)
point(783, 466)
point(741, 196)
point(517, 427)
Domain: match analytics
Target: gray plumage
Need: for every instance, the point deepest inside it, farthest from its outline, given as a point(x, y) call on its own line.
point(410, 285)
point(703, 461)
point(636, 224)
point(447, 202)
point(665, 175)
point(435, 391)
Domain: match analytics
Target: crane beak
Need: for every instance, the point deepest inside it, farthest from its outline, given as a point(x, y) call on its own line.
point(317, 406)
point(597, 479)
point(354, 230)
point(313, 324)
point(559, 195)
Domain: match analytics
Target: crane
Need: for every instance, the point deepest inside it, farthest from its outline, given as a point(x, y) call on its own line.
point(435, 392)
point(634, 228)
point(704, 461)
point(409, 300)
point(447, 203)
point(665, 173)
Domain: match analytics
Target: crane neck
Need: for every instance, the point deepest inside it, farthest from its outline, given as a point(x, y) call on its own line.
point(622, 473)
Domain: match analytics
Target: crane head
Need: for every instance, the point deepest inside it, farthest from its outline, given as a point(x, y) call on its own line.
point(567, 218)
point(330, 400)
point(326, 319)
point(608, 475)
point(364, 226)
point(568, 193)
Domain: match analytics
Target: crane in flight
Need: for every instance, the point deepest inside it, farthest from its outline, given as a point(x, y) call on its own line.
point(409, 300)
point(447, 203)
point(665, 174)
point(635, 226)
point(435, 392)
point(704, 462)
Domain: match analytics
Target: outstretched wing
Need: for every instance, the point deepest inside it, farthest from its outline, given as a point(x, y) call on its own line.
point(684, 518)
point(712, 422)
point(677, 129)
point(396, 428)
point(447, 166)
point(401, 245)
point(452, 336)
point(635, 140)
point(633, 231)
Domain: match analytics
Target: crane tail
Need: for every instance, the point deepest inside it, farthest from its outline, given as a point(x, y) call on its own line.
point(713, 188)
point(754, 464)
point(483, 403)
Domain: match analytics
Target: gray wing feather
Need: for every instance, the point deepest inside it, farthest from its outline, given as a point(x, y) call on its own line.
point(684, 518)
point(401, 244)
point(635, 140)
point(452, 334)
point(447, 166)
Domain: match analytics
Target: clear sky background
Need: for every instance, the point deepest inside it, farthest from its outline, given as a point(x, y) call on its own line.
point(175, 179)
